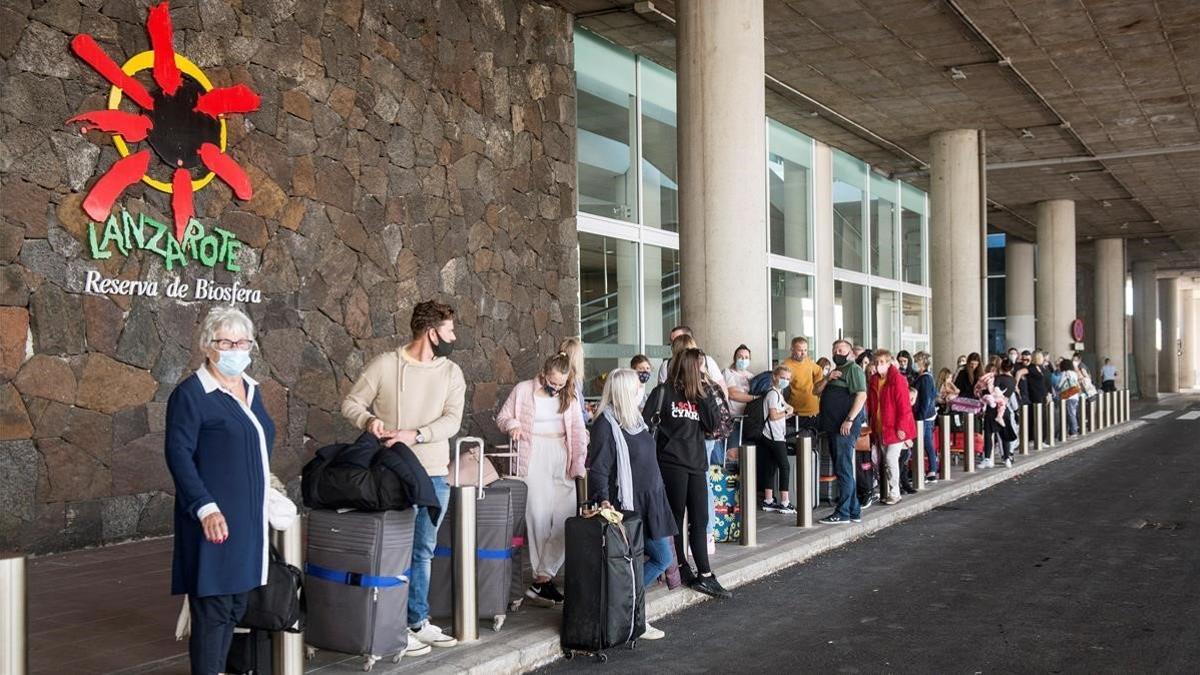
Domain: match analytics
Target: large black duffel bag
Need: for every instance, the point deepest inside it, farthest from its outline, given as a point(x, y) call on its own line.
point(605, 601)
point(279, 604)
point(367, 476)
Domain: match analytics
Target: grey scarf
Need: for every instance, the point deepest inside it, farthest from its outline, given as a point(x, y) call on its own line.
point(624, 472)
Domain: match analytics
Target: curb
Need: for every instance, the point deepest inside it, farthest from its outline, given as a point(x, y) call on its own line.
point(540, 647)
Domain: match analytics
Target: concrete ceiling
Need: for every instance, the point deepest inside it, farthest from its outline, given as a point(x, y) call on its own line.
point(1044, 79)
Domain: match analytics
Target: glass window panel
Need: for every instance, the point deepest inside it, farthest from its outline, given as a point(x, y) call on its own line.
point(996, 258)
point(660, 166)
point(997, 302)
point(608, 305)
point(792, 311)
point(912, 198)
point(885, 318)
point(912, 241)
point(849, 314)
point(914, 323)
point(605, 137)
point(849, 182)
point(660, 299)
point(789, 185)
point(883, 227)
point(996, 336)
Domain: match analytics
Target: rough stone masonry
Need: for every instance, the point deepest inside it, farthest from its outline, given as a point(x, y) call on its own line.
point(403, 150)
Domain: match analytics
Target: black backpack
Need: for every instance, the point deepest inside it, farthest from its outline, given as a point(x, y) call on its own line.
point(278, 605)
point(755, 421)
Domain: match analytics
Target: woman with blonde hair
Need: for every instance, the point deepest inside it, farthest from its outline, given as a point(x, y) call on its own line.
point(542, 416)
point(623, 472)
point(572, 347)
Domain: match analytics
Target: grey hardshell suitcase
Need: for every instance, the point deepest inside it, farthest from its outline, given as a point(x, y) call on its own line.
point(356, 582)
point(499, 537)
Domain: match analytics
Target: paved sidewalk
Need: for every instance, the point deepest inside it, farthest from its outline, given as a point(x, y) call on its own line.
point(107, 610)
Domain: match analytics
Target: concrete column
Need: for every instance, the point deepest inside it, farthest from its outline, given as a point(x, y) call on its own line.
point(823, 246)
point(627, 291)
point(1056, 275)
point(1019, 274)
point(1108, 330)
point(1145, 328)
point(955, 245)
point(1168, 356)
point(1187, 333)
point(722, 173)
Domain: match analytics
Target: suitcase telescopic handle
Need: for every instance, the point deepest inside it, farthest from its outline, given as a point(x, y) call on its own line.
point(514, 455)
point(458, 445)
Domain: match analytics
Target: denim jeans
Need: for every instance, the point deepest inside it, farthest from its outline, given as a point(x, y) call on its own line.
point(659, 558)
point(424, 541)
point(929, 451)
point(843, 466)
point(1073, 416)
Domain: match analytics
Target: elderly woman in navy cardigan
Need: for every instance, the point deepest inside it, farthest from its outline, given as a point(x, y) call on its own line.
point(218, 443)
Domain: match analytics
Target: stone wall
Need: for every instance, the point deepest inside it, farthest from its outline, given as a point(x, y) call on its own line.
point(404, 150)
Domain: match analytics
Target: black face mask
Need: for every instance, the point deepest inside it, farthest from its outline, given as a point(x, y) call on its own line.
point(550, 391)
point(643, 376)
point(442, 347)
point(840, 359)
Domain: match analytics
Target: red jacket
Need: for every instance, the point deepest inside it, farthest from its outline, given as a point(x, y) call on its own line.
point(890, 406)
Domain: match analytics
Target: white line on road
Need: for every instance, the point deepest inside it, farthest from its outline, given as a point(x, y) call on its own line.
point(1194, 415)
point(1157, 414)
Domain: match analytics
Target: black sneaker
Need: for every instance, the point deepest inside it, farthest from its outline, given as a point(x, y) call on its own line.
point(835, 519)
point(908, 490)
point(769, 505)
point(867, 504)
point(786, 508)
point(856, 519)
point(544, 594)
point(686, 575)
point(710, 586)
point(931, 478)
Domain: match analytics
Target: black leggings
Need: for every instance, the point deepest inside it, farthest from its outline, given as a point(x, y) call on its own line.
point(773, 458)
point(689, 492)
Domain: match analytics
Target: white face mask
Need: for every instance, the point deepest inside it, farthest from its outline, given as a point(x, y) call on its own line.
point(784, 384)
point(233, 362)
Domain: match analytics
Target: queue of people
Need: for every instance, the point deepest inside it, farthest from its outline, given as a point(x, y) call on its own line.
point(648, 447)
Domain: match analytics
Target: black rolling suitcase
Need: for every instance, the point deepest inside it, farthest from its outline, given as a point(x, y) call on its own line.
point(605, 603)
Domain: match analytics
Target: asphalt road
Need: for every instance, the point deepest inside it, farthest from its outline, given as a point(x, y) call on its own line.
point(1088, 565)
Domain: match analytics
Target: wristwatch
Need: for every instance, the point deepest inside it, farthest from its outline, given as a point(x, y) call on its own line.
point(420, 437)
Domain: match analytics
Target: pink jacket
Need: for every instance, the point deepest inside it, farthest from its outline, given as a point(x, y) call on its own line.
point(518, 412)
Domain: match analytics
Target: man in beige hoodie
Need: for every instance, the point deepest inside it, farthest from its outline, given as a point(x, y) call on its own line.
point(415, 396)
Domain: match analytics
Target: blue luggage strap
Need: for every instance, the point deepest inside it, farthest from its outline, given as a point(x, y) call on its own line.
point(355, 578)
point(482, 554)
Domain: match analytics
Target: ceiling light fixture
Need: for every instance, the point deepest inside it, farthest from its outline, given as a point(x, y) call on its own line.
point(957, 73)
point(1073, 178)
point(1025, 133)
point(1106, 204)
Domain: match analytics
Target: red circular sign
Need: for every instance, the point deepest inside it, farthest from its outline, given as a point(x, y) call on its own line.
point(1077, 330)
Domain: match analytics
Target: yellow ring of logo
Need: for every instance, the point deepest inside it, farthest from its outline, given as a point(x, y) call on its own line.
point(145, 61)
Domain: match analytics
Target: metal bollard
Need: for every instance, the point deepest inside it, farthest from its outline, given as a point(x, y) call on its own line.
point(918, 460)
point(748, 486)
point(14, 617)
point(1023, 430)
point(944, 464)
point(969, 446)
point(289, 647)
point(1039, 425)
point(1127, 410)
point(466, 606)
point(1050, 427)
point(804, 484)
point(1083, 416)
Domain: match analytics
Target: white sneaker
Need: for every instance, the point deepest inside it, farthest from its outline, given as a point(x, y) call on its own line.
point(984, 464)
point(432, 636)
point(653, 633)
point(1008, 463)
point(416, 647)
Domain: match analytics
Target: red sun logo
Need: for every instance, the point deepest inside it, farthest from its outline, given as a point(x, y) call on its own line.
point(183, 122)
